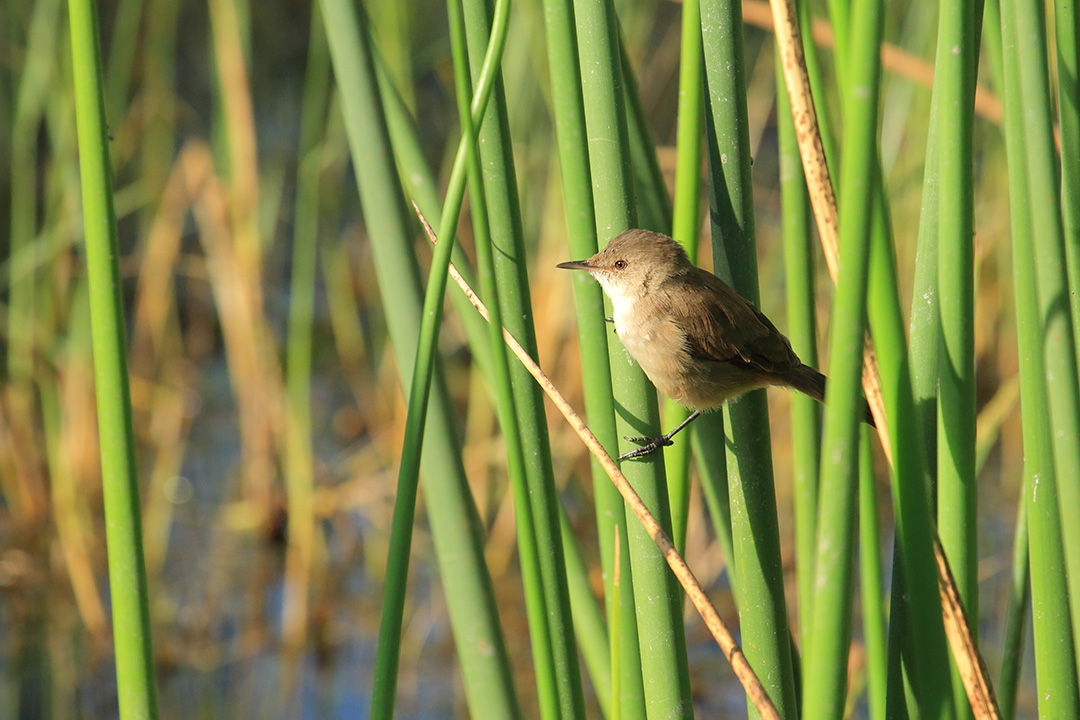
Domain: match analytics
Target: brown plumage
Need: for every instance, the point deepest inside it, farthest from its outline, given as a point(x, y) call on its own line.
point(698, 340)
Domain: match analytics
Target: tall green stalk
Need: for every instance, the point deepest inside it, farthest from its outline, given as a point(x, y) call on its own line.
point(1054, 291)
point(1067, 26)
point(555, 698)
point(571, 136)
point(873, 605)
point(1054, 644)
point(802, 331)
point(685, 232)
point(419, 395)
point(454, 521)
point(1019, 594)
point(511, 274)
point(956, 490)
point(916, 602)
point(752, 498)
point(658, 600)
point(135, 681)
point(826, 657)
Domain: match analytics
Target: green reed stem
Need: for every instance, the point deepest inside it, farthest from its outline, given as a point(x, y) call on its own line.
point(511, 274)
point(136, 685)
point(456, 525)
point(873, 596)
point(752, 498)
point(539, 625)
point(589, 627)
point(686, 221)
point(1054, 651)
point(825, 672)
point(658, 600)
point(914, 588)
point(653, 203)
point(572, 137)
point(956, 491)
point(1067, 26)
point(1059, 329)
point(802, 331)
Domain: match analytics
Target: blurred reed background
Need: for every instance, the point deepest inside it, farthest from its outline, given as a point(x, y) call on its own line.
point(267, 403)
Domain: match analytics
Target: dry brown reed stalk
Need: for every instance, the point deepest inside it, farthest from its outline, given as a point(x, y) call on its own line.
point(240, 134)
point(719, 630)
point(253, 370)
point(170, 423)
point(22, 485)
point(71, 441)
point(240, 265)
point(823, 199)
point(161, 250)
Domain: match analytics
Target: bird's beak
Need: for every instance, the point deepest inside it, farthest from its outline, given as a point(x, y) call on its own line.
point(576, 265)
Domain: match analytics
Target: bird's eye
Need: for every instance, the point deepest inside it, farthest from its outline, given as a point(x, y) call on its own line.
point(620, 264)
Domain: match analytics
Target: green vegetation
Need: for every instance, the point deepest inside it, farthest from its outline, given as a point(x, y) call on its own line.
point(243, 443)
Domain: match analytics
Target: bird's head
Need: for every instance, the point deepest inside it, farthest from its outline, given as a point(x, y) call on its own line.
point(633, 262)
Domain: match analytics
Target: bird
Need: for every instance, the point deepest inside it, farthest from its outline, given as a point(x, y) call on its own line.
point(698, 341)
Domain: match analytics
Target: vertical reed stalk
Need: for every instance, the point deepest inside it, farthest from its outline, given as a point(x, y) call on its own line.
point(136, 685)
point(752, 497)
point(299, 458)
point(684, 231)
point(662, 641)
point(826, 666)
point(802, 331)
point(453, 517)
point(509, 271)
point(1054, 647)
point(956, 492)
point(569, 118)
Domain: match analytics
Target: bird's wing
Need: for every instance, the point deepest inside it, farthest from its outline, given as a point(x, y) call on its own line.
point(721, 326)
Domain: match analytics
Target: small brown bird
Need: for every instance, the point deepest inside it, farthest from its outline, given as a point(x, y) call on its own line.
point(698, 340)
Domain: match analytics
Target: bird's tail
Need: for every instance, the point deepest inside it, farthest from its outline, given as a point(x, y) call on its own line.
point(809, 381)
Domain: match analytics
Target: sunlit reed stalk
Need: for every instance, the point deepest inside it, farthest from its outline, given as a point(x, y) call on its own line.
point(1067, 37)
point(686, 222)
point(870, 580)
point(455, 525)
point(569, 118)
point(802, 331)
point(914, 522)
point(494, 149)
point(1055, 662)
point(957, 60)
point(1056, 297)
point(825, 657)
point(555, 685)
point(1019, 596)
point(752, 498)
point(662, 640)
point(136, 684)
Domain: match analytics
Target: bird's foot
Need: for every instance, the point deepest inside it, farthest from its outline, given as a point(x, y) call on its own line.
point(648, 446)
point(609, 319)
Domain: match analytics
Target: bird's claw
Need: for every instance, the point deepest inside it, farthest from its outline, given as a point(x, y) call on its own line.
point(648, 446)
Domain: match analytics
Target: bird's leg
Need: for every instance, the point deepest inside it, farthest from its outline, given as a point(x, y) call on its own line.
point(651, 445)
point(610, 319)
